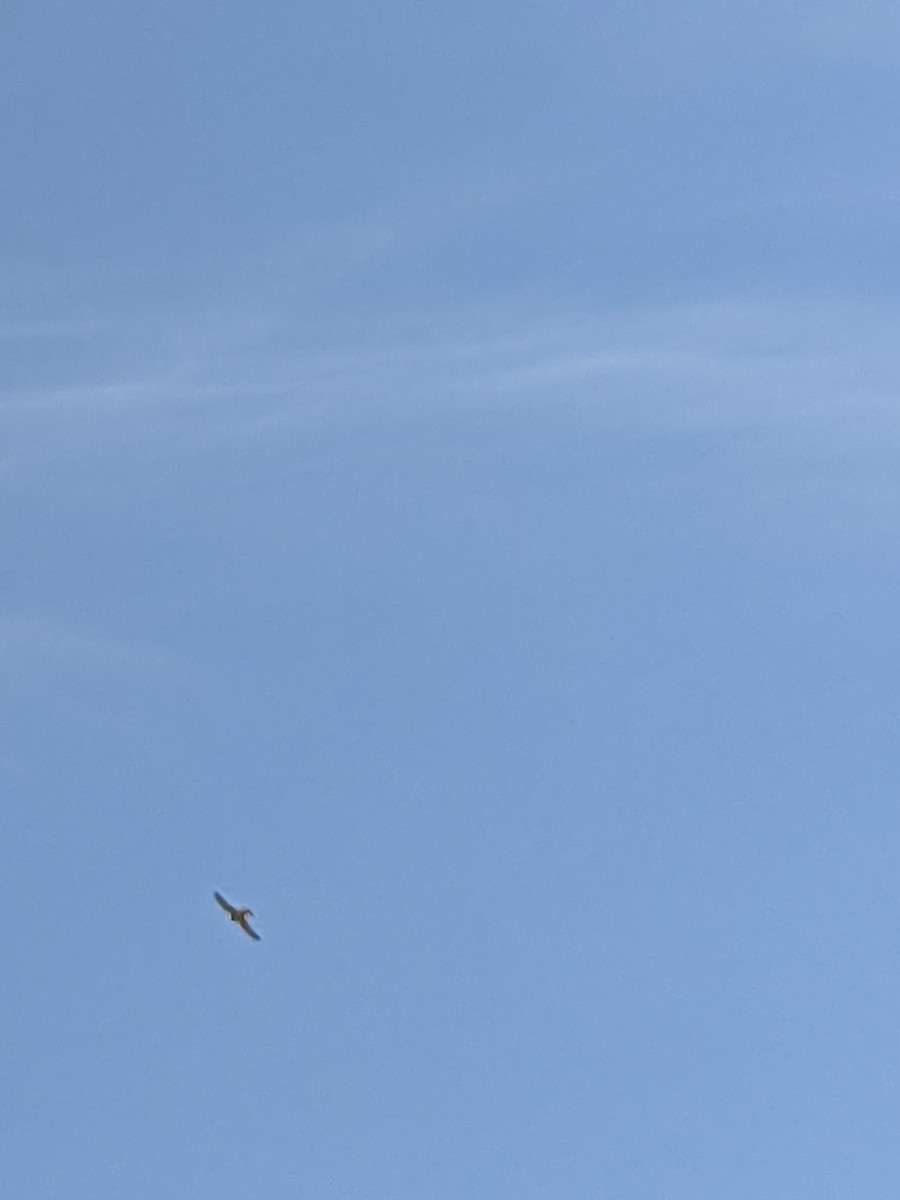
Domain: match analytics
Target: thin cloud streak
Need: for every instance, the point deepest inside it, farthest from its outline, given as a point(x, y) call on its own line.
point(24, 639)
point(741, 361)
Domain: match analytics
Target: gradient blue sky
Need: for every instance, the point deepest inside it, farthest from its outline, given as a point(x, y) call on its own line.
point(450, 484)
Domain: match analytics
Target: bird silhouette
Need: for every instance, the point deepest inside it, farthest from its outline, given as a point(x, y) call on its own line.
point(238, 915)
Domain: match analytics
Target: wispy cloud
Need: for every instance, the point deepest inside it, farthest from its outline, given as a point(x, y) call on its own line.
point(746, 360)
point(92, 674)
point(25, 639)
point(346, 321)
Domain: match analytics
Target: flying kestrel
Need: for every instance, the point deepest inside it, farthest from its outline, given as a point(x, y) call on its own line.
point(238, 915)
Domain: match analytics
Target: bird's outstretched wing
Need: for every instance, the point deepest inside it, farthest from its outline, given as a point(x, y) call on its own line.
point(244, 924)
point(223, 903)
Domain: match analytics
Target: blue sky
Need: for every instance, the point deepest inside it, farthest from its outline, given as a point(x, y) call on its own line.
point(450, 476)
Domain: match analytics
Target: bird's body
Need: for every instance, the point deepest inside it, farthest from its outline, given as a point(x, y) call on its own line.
point(238, 915)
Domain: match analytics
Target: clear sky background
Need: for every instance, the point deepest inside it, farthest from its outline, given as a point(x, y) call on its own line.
point(449, 460)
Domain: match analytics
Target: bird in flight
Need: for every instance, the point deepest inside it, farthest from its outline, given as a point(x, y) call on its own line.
point(238, 915)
